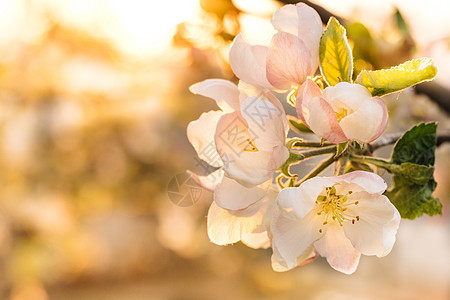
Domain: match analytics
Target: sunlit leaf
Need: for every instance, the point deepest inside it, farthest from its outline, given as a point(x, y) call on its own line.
point(382, 82)
point(335, 55)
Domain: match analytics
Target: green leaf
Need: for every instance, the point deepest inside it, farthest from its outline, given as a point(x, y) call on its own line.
point(413, 159)
point(293, 158)
point(340, 149)
point(417, 145)
point(297, 125)
point(335, 55)
point(382, 82)
point(414, 173)
point(413, 200)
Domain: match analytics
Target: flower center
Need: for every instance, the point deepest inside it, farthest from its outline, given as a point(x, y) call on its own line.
point(333, 207)
point(341, 113)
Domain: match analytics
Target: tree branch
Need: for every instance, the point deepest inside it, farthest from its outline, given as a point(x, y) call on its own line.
point(389, 139)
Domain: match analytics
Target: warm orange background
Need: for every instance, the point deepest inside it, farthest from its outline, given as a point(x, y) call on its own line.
point(94, 104)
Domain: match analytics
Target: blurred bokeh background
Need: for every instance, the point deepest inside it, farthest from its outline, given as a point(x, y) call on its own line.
point(94, 104)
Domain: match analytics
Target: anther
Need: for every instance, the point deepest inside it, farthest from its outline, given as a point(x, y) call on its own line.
point(325, 223)
point(320, 230)
point(356, 202)
point(350, 192)
point(357, 218)
point(353, 221)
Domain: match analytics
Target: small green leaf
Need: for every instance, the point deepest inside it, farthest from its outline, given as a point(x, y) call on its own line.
point(382, 82)
point(414, 173)
point(297, 125)
point(413, 200)
point(293, 158)
point(413, 154)
point(416, 145)
point(335, 55)
point(340, 149)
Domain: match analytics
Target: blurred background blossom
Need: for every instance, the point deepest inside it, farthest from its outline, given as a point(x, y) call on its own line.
point(94, 104)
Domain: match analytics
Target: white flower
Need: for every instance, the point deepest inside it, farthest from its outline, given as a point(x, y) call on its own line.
point(342, 113)
point(247, 135)
point(341, 217)
point(292, 55)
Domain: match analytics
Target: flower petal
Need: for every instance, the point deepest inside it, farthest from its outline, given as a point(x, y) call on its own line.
point(323, 121)
point(338, 250)
point(374, 233)
point(347, 95)
point(373, 114)
point(307, 91)
point(278, 264)
point(367, 181)
point(252, 148)
point(256, 240)
point(210, 181)
point(201, 133)
point(265, 122)
point(301, 21)
point(249, 225)
point(297, 202)
point(248, 62)
point(292, 239)
point(231, 195)
point(224, 92)
point(289, 61)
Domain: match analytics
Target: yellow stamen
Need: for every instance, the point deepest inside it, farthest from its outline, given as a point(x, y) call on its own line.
point(342, 114)
point(253, 147)
point(335, 206)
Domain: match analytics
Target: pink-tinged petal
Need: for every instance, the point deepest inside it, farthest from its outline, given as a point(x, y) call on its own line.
point(265, 122)
point(307, 91)
point(289, 61)
point(323, 121)
point(251, 155)
point(346, 95)
point(301, 21)
point(279, 265)
point(231, 195)
point(248, 90)
point(293, 238)
point(338, 250)
point(367, 181)
point(248, 62)
point(368, 122)
point(249, 225)
point(297, 202)
point(210, 181)
point(201, 133)
point(374, 233)
point(224, 92)
point(279, 155)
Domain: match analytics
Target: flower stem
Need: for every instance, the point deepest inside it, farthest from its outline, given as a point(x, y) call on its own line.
point(371, 160)
point(342, 164)
point(320, 151)
point(319, 169)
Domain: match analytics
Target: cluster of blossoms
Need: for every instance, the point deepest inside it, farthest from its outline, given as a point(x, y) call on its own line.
point(338, 217)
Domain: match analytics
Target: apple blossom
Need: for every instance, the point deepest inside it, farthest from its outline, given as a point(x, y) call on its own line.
point(247, 135)
point(342, 217)
point(251, 224)
point(291, 56)
point(342, 113)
